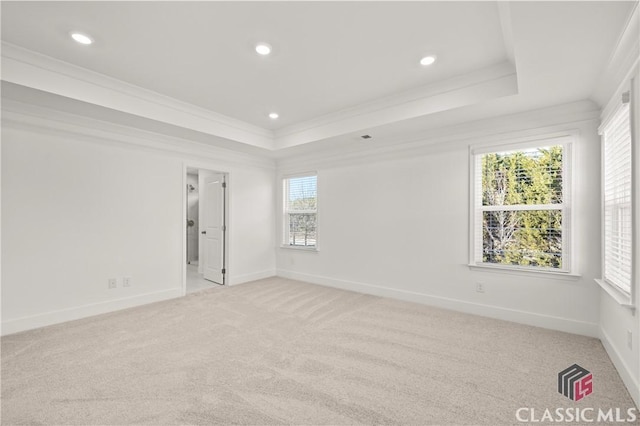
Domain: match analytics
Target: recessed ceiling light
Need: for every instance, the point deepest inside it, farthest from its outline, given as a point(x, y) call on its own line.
point(82, 38)
point(428, 60)
point(263, 48)
point(274, 116)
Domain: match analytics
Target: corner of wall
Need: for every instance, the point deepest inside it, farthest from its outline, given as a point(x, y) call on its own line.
point(621, 366)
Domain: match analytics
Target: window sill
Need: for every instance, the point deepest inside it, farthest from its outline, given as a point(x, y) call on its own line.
point(300, 248)
point(622, 298)
point(527, 272)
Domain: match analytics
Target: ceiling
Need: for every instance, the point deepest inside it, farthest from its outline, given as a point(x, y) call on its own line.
point(337, 70)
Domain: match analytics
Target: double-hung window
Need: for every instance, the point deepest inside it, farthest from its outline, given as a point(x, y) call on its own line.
point(300, 224)
point(520, 213)
point(617, 215)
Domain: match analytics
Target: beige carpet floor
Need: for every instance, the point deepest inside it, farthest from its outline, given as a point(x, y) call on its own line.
point(277, 351)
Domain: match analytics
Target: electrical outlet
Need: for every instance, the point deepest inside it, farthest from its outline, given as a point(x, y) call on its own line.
point(480, 287)
point(630, 339)
point(113, 283)
point(126, 282)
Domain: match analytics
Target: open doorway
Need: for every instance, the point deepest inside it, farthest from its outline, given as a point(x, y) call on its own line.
point(205, 229)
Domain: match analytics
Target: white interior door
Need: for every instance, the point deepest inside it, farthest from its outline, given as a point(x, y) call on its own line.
point(213, 224)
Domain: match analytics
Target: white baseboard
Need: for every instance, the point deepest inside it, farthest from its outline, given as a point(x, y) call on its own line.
point(241, 279)
point(31, 322)
point(623, 369)
point(513, 315)
point(55, 317)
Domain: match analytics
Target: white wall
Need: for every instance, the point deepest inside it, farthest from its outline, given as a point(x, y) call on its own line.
point(78, 209)
point(250, 225)
point(399, 227)
point(616, 320)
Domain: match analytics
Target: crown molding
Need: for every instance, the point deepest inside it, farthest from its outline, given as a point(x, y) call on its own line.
point(34, 70)
point(27, 68)
point(555, 119)
point(622, 60)
point(34, 118)
point(488, 83)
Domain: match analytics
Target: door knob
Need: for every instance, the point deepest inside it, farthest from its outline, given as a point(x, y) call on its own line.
point(203, 232)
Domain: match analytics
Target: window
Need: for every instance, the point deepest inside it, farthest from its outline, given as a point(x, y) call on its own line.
point(617, 203)
point(520, 214)
point(301, 211)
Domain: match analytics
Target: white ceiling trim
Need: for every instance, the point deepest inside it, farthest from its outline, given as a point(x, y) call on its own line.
point(31, 69)
point(622, 59)
point(489, 83)
point(31, 117)
point(515, 126)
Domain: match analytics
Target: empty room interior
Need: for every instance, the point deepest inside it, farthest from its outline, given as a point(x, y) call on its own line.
point(420, 212)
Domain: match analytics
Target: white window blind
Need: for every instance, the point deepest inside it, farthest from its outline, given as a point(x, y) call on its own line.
point(301, 211)
point(521, 202)
point(617, 193)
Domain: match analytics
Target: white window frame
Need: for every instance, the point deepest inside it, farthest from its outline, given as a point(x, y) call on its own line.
point(619, 294)
point(476, 209)
point(285, 212)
